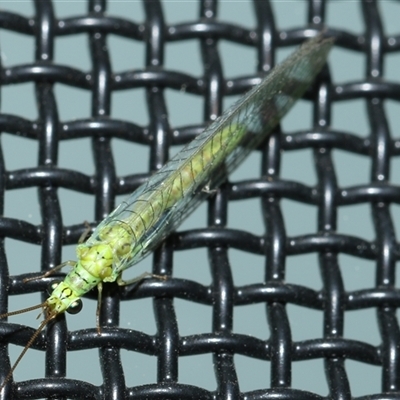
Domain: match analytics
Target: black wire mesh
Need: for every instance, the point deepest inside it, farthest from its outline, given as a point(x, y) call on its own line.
point(168, 345)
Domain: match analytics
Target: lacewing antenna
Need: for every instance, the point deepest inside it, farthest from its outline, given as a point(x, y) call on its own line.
point(31, 340)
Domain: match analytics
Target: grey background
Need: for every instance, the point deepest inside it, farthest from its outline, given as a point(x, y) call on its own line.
point(187, 109)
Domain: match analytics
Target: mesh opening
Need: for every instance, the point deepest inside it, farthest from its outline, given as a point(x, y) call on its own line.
point(294, 293)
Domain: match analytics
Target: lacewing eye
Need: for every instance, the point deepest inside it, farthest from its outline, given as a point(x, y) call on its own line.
point(75, 307)
point(52, 286)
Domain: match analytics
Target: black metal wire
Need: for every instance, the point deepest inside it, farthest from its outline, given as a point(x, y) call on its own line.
point(223, 296)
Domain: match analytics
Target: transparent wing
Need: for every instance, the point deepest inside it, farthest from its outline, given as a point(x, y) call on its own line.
point(159, 205)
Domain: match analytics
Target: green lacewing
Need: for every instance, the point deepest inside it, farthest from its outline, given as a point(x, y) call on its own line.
point(155, 209)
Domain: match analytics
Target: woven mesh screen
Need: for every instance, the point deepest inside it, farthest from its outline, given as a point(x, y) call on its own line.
point(297, 299)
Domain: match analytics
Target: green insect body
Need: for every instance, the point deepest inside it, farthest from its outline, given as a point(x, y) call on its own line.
point(100, 260)
point(139, 224)
point(142, 221)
